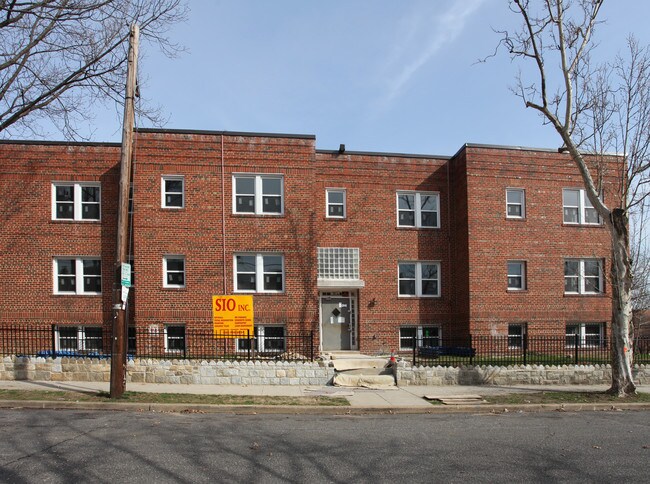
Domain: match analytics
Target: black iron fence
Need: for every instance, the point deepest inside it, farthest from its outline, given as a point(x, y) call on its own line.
point(520, 350)
point(170, 341)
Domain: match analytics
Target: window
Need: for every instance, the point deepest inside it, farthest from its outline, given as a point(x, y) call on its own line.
point(584, 334)
point(577, 208)
point(77, 275)
point(338, 263)
point(76, 201)
point(515, 203)
point(421, 335)
point(172, 191)
point(335, 203)
point(259, 273)
point(174, 271)
point(516, 275)
point(258, 194)
point(268, 339)
point(421, 279)
point(175, 338)
point(516, 334)
point(583, 276)
point(79, 338)
point(415, 209)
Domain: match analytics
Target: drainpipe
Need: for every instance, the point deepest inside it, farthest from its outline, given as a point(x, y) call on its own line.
point(223, 215)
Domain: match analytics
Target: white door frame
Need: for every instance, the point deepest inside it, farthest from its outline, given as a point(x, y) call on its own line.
point(353, 298)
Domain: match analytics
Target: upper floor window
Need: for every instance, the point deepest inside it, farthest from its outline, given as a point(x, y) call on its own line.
point(172, 191)
point(421, 279)
point(174, 271)
point(515, 203)
point(259, 273)
point(77, 275)
point(76, 201)
point(577, 208)
point(418, 209)
point(583, 276)
point(258, 194)
point(516, 275)
point(336, 203)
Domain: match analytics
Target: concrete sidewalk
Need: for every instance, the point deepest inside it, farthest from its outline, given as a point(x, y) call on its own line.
point(389, 399)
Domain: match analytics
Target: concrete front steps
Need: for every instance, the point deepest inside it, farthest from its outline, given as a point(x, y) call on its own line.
point(352, 369)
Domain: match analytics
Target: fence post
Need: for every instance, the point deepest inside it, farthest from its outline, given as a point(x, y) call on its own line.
point(471, 352)
point(414, 347)
point(576, 340)
point(311, 345)
point(250, 343)
point(525, 344)
point(53, 341)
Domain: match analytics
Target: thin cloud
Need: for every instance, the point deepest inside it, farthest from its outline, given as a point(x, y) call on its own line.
point(413, 52)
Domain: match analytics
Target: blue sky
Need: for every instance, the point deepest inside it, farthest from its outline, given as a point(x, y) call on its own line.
point(377, 75)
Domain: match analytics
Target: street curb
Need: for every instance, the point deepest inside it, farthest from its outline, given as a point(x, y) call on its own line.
point(318, 410)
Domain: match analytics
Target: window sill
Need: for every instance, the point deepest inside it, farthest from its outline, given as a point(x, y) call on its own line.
point(399, 227)
point(174, 288)
point(584, 226)
point(517, 291)
point(260, 215)
point(417, 297)
point(588, 294)
point(71, 221)
point(172, 209)
point(515, 219)
point(257, 293)
point(335, 219)
point(73, 294)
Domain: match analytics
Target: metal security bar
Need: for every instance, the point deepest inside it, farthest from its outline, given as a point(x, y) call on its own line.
point(162, 342)
point(521, 350)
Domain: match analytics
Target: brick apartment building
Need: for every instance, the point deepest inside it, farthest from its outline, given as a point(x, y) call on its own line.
point(364, 249)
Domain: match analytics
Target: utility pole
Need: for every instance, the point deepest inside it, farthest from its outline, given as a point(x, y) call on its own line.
point(118, 353)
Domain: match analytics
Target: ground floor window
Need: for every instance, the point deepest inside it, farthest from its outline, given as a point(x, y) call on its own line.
point(418, 335)
point(516, 334)
point(584, 334)
point(79, 338)
point(175, 338)
point(266, 339)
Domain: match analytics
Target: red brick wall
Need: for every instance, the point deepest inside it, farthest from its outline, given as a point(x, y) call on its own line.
point(473, 243)
point(541, 240)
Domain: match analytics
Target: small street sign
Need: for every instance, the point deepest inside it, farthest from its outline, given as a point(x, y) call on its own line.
point(126, 275)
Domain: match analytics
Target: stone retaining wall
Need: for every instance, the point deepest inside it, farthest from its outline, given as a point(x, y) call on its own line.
point(513, 375)
point(294, 373)
point(167, 371)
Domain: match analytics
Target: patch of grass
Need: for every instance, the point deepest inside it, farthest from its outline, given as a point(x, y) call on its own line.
point(564, 397)
point(145, 397)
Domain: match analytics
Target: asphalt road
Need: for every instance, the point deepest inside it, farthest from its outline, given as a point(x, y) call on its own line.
point(82, 446)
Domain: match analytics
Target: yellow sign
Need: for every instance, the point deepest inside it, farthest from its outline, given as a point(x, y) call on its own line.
point(232, 316)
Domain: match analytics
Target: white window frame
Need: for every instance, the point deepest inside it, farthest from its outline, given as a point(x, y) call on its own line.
point(522, 204)
point(81, 338)
point(522, 276)
point(581, 277)
point(328, 203)
point(259, 272)
point(77, 203)
point(166, 338)
point(78, 276)
point(583, 335)
point(520, 337)
point(583, 204)
point(259, 339)
point(418, 279)
point(166, 258)
point(258, 194)
point(419, 335)
point(417, 209)
point(164, 192)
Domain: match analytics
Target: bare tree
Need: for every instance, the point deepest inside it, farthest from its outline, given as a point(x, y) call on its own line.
point(58, 58)
point(597, 110)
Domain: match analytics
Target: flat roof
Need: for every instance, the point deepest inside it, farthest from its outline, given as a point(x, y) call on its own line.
point(381, 153)
point(225, 133)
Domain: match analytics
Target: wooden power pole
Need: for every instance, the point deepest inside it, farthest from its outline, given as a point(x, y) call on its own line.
point(118, 353)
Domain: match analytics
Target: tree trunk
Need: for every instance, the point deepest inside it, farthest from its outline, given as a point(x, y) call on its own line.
point(621, 280)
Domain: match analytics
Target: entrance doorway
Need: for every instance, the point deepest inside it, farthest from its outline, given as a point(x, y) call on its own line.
point(338, 321)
